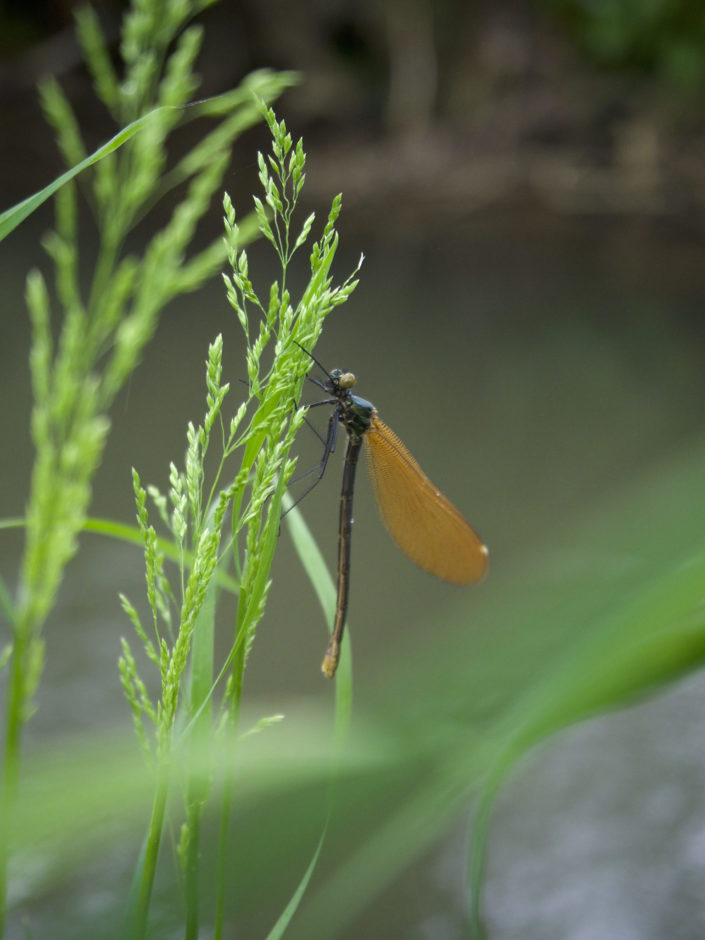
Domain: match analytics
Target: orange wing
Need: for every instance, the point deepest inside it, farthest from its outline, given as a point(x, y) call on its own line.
point(423, 523)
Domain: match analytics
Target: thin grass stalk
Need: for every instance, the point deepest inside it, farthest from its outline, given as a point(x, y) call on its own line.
point(191, 866)
point(11, 757)
point(151, 855)
point(223, 831)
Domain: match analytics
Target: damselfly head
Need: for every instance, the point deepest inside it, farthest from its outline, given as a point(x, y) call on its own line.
point(342, 379)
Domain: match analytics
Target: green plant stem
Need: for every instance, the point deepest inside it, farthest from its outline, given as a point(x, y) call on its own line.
point(11, 765)
point(229, 780)
point(105, 269)
point(478, 860)
point(225, 807)
point(199, 736)
point(195, 811)
point(151, 855)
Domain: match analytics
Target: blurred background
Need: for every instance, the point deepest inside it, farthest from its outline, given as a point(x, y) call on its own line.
point(527, 183)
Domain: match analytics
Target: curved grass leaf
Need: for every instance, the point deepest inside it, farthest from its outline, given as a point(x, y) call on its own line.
point(218, 104)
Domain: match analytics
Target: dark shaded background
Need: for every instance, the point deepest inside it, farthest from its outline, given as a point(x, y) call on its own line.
point(587, 108)
point(527, 182)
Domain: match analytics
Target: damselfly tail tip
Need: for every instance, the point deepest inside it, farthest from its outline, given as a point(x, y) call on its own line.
point(330, 660)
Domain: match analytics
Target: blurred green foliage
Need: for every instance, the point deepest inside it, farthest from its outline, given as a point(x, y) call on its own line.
point(663, 38)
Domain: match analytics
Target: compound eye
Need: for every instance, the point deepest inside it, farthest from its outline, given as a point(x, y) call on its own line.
point(346, 380)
